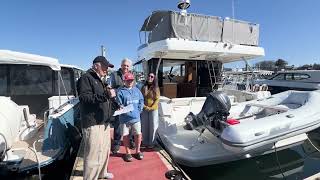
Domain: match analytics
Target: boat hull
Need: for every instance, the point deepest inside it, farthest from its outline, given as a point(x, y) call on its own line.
point(187, 149)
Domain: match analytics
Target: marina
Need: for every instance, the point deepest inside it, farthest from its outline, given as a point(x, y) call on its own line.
point(208, 121)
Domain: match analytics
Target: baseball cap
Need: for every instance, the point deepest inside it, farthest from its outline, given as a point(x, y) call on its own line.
point(103, 60)
point(128, 76)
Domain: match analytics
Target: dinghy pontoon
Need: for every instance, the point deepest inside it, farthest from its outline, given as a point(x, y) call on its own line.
point(220, 132)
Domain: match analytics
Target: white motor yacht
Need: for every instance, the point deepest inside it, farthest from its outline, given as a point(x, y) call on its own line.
point(39, 111)
point(187, 51)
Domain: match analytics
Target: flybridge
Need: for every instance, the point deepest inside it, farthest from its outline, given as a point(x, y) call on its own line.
point(176, 35)
point(186, 51)
point(162, 25)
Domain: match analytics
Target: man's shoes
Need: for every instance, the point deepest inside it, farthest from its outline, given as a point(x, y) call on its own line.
point(127, 157)
point(115, 149)
point(132, 145)
point(139, 156)
point(107, 176)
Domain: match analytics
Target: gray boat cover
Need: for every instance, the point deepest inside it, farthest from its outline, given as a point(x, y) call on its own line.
point(244, 33)
point(195, 27)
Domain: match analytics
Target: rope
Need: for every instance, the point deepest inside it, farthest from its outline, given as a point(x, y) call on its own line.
point(313, 144)
point(37, 158)
point(214, 74)
point(5, 146)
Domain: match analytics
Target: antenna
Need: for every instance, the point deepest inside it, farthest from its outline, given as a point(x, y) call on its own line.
point(103, 51)
point(183, 5)
point(233, 20)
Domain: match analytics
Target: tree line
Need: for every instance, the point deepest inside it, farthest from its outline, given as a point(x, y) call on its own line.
point(279, 64)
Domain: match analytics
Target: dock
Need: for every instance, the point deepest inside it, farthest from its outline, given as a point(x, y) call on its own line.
point(155, 164)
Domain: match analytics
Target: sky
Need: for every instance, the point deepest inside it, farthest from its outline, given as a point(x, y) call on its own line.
point(74, 30)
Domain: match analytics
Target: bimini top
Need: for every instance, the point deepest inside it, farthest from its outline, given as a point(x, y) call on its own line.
point(12, 57)
point(197, 27)
point(172, 35)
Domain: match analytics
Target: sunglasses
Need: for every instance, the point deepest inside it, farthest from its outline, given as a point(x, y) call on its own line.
point(151, 76)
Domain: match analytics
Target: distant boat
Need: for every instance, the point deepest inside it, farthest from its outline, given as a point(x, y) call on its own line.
point(39, 111)
point(302, 80)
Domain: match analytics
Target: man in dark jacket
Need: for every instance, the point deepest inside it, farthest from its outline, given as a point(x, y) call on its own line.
point(96, 110)
point(116, 81)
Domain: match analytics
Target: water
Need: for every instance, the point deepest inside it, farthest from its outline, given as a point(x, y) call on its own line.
point(295, 163)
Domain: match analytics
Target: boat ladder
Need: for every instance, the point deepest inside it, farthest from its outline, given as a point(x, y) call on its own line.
point(214, 73)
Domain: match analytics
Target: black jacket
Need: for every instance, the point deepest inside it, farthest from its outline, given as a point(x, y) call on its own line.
point(95, 104)
point(118, 81)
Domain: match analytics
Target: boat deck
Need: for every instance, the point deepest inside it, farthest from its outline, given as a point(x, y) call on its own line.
point(25, 149)
point(154, 165)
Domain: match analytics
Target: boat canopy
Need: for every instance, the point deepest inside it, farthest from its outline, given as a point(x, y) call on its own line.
point(71, 66)
point(195, 27)
point(12, 57)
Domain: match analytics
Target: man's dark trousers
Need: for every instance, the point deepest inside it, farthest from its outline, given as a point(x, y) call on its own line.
point(116, 131)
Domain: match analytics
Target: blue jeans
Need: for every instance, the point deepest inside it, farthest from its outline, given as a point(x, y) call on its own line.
point(149, 126)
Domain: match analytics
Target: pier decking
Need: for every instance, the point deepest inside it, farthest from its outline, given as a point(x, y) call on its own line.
point(153, 166)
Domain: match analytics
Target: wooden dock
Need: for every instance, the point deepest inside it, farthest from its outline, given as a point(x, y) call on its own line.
point(155, 164)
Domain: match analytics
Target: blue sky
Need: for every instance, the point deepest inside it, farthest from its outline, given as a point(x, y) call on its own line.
point(74, 30)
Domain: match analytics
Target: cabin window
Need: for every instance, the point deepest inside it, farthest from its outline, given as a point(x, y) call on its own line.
point(77, 74)
point(289, 77)
point(298, 77)
point(30, 80)
point(3, 80)
point(279, 77)
point(174, 72)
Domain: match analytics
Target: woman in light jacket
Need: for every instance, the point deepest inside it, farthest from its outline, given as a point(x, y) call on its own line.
point(149, 116)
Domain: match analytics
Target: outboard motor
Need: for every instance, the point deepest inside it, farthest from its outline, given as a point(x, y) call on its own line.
point(214, 113)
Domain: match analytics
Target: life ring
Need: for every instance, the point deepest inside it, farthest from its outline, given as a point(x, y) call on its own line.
point(264, 87)
point(256, 88)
